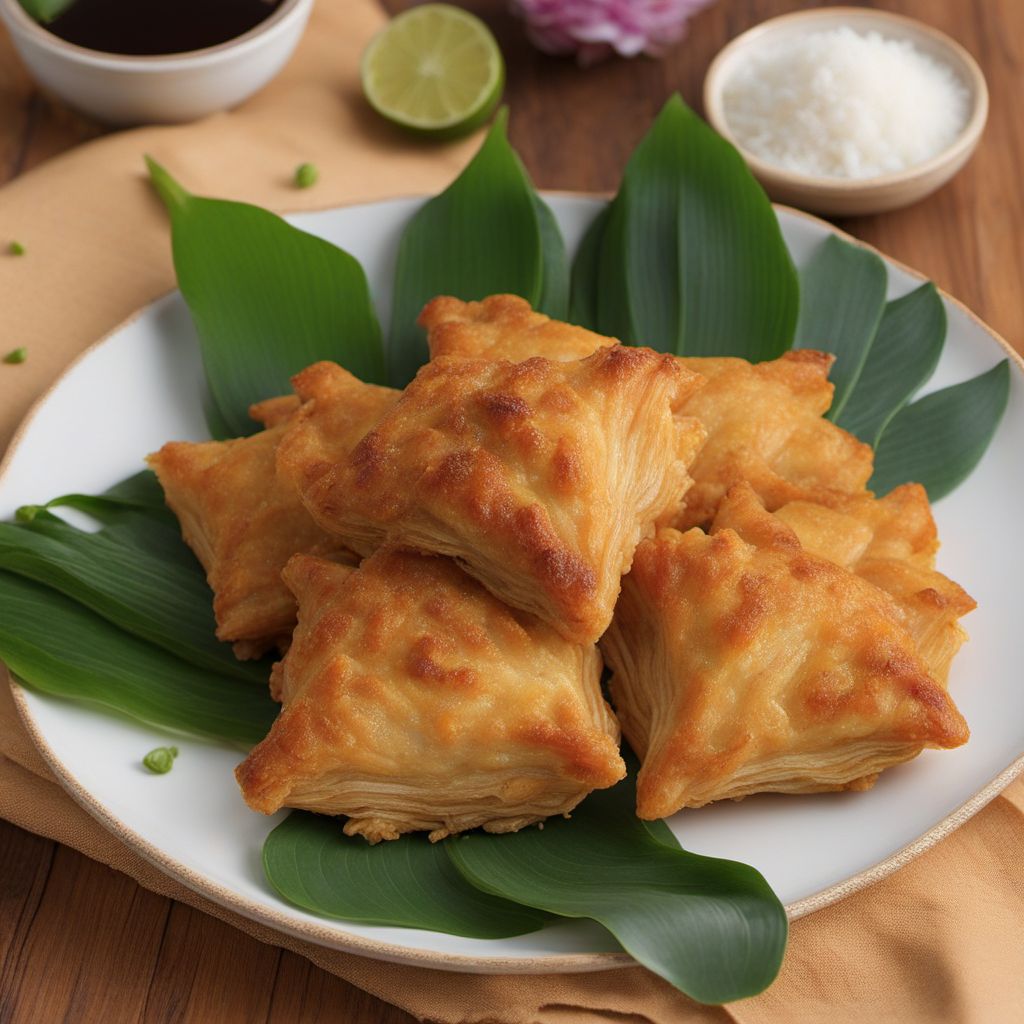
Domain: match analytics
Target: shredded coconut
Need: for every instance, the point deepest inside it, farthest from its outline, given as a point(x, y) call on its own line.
point(844, 105)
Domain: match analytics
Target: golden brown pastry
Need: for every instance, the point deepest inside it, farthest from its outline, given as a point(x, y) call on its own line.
point(854, 530)
point(539, 477)
point(273, 411)
point(414, 700)
point(743, 664)
point(337, 410)
point(764, 420)
point(891, 542)
point(243, 522)
point(502, 327)
point(765, 427)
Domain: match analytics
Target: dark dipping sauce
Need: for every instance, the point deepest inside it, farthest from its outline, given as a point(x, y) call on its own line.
point(154, 27)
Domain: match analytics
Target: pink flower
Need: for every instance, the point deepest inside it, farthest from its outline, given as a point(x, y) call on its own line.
point(593, 29)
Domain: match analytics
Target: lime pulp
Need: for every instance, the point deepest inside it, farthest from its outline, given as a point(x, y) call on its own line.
point(435, 69)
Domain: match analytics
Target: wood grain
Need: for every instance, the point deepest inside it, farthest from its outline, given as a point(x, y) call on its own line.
point(80, 942)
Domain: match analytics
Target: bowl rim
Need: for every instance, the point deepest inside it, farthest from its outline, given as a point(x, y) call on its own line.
point(960, 59)
point(21, 23)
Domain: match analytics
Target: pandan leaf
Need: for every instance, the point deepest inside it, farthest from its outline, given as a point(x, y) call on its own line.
point(141, 491)
point(554, 295)
point(583, 293)
point(842, 297)
point(711, 927)
point(901, 359)
point(409, 882)
point(135, 571)
point(939, 439)
point(482, 236)
point(267, 300)
point(614, 299)
point(58, 647)
point(693, 260)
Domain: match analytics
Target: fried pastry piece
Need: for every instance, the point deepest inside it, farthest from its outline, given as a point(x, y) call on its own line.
point(244, 522)
point(855, 530)
point(271, 412)
point(765, 427)
point(891, 542)
point(743, 664)
point(539, 477)
point(414, 700)
point(764, 420)
point(337, 410)
point(502, 327)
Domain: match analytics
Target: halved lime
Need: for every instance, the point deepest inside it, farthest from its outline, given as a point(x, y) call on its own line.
point(435, 69)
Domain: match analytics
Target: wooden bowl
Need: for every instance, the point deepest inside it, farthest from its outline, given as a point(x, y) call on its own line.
point(846, 196)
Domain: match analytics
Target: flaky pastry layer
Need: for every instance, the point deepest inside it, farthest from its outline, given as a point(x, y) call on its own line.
point(764, 421)
point(891, 542)
point(744, 664)
point(243, 525)
point(539, 477)
point(414, 700)
point(244, 521)
point(503, 327)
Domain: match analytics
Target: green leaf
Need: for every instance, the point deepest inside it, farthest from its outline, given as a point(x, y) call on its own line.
point(141, 491)
point(842, 296)
point(713, 928)
point(266, 298)
point(901, 359)
point(939, 439)
point(136, 572)
point(554, 296)
point(693, 259)
point(614, 310)
point(58, 647)
point(45, 11)
point(408, 882)
point(583, 295)
point(481, 236)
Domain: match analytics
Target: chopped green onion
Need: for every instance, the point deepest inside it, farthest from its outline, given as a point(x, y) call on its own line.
point(160, 759)
point(16, 249)
point(17, 355)
point(306, 175)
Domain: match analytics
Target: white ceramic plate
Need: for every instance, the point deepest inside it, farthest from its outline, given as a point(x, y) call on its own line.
point(141, 386)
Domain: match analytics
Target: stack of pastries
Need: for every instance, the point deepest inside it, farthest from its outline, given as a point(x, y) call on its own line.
point(447, 569)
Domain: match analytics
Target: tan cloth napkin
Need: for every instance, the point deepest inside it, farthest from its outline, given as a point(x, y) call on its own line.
point(941, 940)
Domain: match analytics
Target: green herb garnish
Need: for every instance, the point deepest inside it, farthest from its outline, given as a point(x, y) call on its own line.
point(160, 760)
point(17, 355)
point(306, 175)
point(16, 249)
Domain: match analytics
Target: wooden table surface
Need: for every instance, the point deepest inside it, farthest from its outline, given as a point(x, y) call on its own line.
point(80, 942)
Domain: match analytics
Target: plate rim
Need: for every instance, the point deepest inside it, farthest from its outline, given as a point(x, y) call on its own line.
point(329, 935)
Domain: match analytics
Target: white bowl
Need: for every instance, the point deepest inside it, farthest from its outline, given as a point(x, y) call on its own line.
point(126, 90)
point(847, 196)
